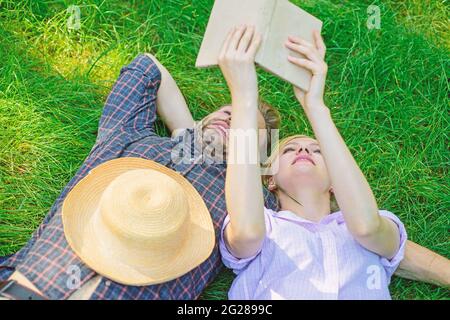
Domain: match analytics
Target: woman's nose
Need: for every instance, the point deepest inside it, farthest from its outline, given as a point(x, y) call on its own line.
point(300, 150)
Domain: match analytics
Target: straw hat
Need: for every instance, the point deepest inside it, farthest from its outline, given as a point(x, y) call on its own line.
point(137, 222)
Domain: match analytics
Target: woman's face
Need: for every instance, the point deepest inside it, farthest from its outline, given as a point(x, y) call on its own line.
point(300, 163)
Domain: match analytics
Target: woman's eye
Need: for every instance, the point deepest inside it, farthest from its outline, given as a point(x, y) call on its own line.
point(287, 149)
point(318, 151)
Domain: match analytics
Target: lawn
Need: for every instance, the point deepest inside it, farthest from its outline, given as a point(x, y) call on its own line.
point(387, 90)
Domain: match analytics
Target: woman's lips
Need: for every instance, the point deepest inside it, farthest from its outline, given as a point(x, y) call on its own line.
point(304, 158)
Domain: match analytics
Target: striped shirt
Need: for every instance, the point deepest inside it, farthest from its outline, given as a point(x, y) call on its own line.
point(301, 259)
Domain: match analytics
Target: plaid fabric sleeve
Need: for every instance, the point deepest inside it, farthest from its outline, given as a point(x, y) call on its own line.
point(131, 104)
point(270, 201)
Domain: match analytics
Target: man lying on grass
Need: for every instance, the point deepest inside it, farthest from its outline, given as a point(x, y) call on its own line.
point(48, 267)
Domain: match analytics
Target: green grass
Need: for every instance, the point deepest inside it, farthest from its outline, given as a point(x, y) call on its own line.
point(387, 90)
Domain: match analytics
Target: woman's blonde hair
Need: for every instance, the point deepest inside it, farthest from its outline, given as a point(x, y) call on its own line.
point(275, 153)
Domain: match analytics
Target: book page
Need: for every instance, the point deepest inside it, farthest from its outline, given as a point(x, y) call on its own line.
point(227, 14)
point(287, 19)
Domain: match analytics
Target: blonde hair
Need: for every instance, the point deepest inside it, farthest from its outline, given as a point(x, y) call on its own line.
point(275, 153)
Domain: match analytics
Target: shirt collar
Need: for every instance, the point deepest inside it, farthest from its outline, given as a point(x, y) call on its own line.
point(289, 215)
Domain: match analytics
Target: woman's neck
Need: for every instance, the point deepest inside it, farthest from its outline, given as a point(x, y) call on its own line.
point(306, 203)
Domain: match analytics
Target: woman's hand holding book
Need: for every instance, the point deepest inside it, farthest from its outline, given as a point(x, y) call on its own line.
point(314, 54)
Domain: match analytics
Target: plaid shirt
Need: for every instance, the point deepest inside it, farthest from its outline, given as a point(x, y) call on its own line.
point(126, 129)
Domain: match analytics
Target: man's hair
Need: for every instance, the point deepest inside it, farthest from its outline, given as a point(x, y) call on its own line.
point(271, 118)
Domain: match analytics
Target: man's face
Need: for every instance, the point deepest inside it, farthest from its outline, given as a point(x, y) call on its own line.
point(215, 129)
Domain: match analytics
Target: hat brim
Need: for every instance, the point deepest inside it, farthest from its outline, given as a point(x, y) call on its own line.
point(80, 209)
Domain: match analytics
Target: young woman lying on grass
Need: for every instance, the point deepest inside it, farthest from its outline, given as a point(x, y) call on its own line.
point(306, 250)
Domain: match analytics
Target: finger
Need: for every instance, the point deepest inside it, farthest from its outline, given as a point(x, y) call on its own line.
point(236, 38)
point(254, 45)
point(308, 52)
point(311, 66)
point(226, 43)
point(246, 39)
point(300, 41)
point(320, 44)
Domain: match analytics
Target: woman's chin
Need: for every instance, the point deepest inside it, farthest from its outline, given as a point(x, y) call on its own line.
point(305, 174)
point(304, 168)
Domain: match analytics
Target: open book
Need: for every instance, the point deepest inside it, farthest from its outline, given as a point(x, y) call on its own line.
point(275, 20)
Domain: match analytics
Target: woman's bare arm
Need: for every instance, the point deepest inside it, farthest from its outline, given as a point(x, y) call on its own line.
point(243, 189)
point(350, 186)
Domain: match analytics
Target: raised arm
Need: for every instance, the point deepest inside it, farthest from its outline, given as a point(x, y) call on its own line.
point(171, 105)
point(243, 189)
point(143, 89)
point(350, 187)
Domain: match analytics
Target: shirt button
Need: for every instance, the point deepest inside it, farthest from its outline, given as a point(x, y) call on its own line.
point(107, 283)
